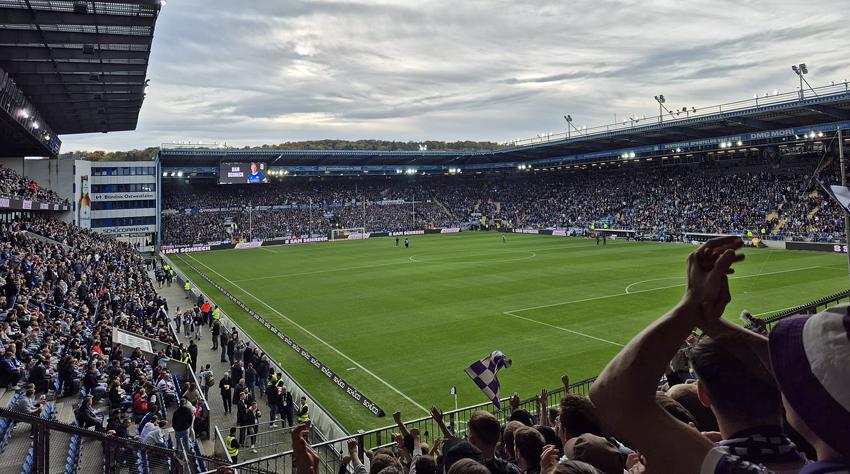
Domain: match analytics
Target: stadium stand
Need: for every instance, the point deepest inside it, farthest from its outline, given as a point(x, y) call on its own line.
point(13, 185)
point(662, 201)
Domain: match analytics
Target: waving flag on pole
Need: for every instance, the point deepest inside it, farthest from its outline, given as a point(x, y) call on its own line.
point(483, 373)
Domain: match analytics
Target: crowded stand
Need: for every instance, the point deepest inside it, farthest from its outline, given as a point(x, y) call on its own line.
point(773, 202)
point(13, 185)
point(61, 300)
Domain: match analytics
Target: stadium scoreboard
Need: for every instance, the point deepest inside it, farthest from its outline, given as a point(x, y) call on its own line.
point(243, 173)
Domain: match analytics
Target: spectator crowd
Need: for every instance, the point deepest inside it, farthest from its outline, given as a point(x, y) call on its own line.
point(769, 201)
point(13, 185)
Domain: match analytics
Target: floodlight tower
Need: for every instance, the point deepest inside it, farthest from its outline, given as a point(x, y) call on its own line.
point(660, 99)
point(800, 70)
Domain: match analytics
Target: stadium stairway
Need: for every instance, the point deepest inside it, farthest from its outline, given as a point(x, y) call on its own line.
point(177, 298)
point(276, 440)
point(445, 209)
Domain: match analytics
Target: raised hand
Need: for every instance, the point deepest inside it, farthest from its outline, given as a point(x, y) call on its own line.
point(708, 284)
point(305, 457)
point(515, 402)
point(543, 398)
point(549, 459)
point(437, 414)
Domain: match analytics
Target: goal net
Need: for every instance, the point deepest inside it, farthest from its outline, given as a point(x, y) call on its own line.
point(355, 233)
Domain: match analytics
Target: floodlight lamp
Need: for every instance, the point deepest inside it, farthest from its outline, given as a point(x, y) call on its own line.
point(179, 174)
point(739, 143)
point(820, 134)
point(794, 68)
point(804, 69)
point(35, 125)
point(24, 113)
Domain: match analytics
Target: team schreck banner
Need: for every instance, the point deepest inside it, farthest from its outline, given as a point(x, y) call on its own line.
point(330, 374)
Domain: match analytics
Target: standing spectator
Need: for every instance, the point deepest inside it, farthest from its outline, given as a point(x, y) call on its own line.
point(182, 422)
point(262, 367)
point(215, 332)
point(251, 380)
point(285, 406)
point(225, 386)
point(193, 355)
point(207, 380)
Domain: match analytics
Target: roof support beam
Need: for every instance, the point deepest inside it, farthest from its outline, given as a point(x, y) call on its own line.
point(686, 132)
point(41, 53)
point(14, 16)
point(831, 111)
point(62, 37)
point(753, 123)
point(16, 68)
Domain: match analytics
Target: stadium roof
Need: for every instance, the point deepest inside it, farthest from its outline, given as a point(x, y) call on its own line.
point(779, 113)
point(82, 64)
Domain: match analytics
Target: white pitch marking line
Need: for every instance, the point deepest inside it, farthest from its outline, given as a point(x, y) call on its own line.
point(316, 272)
point(652, 279)
point(596, 298)
point(578, 333)
point(326, 344)
point(351, 368)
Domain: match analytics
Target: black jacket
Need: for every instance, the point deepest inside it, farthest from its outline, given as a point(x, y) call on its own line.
point(183, 418)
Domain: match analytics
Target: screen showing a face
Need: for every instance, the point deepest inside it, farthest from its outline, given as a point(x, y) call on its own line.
point(243, 173)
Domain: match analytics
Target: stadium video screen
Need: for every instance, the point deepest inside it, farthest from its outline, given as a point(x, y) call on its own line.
point(243, 173)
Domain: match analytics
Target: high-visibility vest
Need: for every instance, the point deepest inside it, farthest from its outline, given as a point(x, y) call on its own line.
point(231, 451)
point(303, 416)
point(186, 286)
point(216, 314)
point(186, 358)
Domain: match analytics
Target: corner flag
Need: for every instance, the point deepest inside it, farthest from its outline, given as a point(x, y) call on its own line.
point(483, 373)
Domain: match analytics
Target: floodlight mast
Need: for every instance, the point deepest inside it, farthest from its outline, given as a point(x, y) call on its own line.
point(660, 99)
point(801, 70)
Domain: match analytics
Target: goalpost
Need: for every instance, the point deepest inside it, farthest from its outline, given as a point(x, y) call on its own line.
point(354, 233)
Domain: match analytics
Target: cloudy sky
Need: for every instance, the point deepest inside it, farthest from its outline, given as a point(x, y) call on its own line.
point(268, 71)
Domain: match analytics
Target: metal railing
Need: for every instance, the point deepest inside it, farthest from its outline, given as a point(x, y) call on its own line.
point(117, 455)
point(770, 320)
point(681, 116)
point(332, 451)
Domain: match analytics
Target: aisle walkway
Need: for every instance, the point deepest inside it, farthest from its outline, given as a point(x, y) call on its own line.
point(177, 298)
point(274, 441)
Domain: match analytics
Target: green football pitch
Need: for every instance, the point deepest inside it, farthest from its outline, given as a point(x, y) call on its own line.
point(400, 325)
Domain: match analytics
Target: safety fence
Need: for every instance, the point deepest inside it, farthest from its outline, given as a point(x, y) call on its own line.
point(331, 452)
point(58, 447)
point(766, 322)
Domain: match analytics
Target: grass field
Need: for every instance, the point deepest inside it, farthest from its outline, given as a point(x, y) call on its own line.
point(401, 325)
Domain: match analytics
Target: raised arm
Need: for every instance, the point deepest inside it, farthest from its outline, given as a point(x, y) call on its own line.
point(437, 415)
point(401, 428)
point(624, 394)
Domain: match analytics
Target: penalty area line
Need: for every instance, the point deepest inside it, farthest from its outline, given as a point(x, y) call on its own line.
point(317, 338)
point(577, 333)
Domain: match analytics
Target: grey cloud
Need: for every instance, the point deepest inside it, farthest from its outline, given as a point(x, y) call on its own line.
point(478, 69)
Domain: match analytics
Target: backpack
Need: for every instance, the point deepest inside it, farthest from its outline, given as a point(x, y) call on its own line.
point(209, 380)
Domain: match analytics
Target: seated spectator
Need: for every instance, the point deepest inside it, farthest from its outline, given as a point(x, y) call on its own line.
point(87, 416)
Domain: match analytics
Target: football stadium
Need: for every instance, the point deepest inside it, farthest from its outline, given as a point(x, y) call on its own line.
point(666, 292)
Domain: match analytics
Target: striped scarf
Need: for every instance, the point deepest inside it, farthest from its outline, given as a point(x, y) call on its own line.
point(763, 445)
